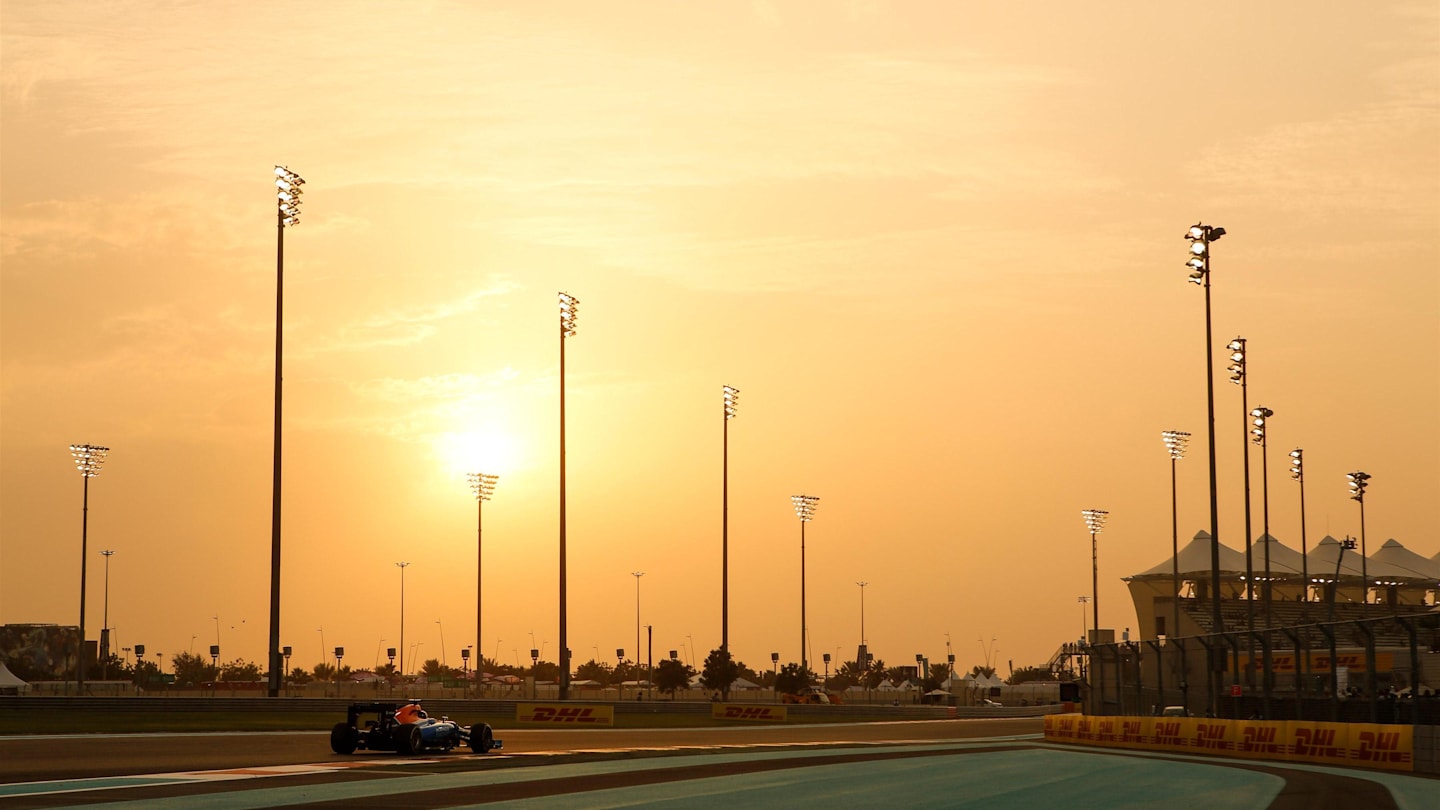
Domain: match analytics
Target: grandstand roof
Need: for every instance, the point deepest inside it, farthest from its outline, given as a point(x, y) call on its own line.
point(1195, 558)
point(1284, 561)
point(1322, 560)
point(1398, 562)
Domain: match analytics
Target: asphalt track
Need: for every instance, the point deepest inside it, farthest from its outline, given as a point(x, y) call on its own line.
point(931, 764)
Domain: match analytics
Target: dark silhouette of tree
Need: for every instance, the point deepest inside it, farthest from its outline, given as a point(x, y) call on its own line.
point(240, 670)
point(874, 675)
point(324, 672)
point(938, 674)
point(192, 669)
point(978, 671)
point(146, 674)
point(671, 675)
point(1028, 674)
point(593, 670)
point(792, 680)
point(720, 672)
point(299, 676)
point(546, 671)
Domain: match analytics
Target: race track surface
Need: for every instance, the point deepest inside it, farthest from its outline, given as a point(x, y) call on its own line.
point(933, 764)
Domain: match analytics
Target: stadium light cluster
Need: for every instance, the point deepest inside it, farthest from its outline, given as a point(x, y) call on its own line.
point(287, 193)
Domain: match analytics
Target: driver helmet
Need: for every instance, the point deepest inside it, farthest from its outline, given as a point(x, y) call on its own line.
point(410, 713)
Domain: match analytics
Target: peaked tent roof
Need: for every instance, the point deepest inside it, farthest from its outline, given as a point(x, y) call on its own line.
point(1283, 559)
point(1195, 558)
point(1322, 560)
point(1399, 562)
point(9, 680)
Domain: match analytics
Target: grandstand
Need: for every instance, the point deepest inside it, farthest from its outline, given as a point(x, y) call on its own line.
point(1335, 622)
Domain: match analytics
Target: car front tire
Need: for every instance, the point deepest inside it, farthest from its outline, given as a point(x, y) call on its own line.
point(482, 739)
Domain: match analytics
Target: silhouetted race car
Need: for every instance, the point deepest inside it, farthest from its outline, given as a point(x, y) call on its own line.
point(406, 728)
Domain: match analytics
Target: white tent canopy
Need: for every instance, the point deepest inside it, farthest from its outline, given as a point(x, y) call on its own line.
point(1285, 562)
point(1323, 558)
point(1394, 561)
point(1195, 559)
point(9, 682)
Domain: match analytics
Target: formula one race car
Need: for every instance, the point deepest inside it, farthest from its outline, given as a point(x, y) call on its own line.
point(406, 728)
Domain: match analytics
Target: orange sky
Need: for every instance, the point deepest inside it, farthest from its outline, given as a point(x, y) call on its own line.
point(937, 246)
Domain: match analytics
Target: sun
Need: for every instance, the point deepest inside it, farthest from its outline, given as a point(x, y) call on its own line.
point(487, 451)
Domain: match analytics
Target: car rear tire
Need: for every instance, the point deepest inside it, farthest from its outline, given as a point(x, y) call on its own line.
point(344, 738)
point(482, 739)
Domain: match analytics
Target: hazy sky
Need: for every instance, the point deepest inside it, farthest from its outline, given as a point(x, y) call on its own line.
point(937, 246)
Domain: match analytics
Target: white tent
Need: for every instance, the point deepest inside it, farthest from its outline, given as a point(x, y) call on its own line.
point(1195, 558)
point(1394, 561)
point(9, 683)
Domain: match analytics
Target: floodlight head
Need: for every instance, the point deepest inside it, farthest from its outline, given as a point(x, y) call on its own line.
point(1358, 481)
point(1095, 519)
point(1259, 415)
point(1197, 248)
point(482, 485)
point(569, 311)
point(731, 397)
point(287, 195)
point(805, 506)
point(1175, 442)
point(89, 458)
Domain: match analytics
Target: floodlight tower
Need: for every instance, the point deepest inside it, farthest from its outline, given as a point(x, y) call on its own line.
point(1258, 418)
point(89, 458)
point(805, 510)
point(105, 620)
point(402, 566)
point(1200, 237)
point(1357, 482)
point(1175, 443)
point(1095, 522)
point(483, 486)
point(1240, 377)
point(1297, 473)
point(730, 398)
point(569, 312)
point(287, 212)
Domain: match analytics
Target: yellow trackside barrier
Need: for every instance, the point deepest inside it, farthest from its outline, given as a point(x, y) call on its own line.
point(1362, 745)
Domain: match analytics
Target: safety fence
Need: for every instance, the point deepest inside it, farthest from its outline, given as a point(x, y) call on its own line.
point(1381, 670)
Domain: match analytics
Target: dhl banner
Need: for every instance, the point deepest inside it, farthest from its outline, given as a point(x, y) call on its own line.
point(565, 714)
point(1362, 745)
point(1320, 663)
point(747, 711)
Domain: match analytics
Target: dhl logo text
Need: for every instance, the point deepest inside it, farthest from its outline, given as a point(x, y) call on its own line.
point(1167, 731)
point(751, 713)
point(551, 714)
point(1380, 746)
point(1130, 731)
point(1316, 742)
point(1260, 739)
point(1210, 735)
